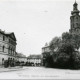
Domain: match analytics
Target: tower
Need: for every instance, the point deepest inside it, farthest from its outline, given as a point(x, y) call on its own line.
point(75, 20)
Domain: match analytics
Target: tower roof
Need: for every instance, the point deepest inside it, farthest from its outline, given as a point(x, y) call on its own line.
point(75, 8)
point(75, 3)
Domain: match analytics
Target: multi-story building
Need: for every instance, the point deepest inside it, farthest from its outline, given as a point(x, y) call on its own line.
point(45, 49)
point(34, 59)
point(7, 46)
point(45, 52)
point(21, 57)
point(8, 49)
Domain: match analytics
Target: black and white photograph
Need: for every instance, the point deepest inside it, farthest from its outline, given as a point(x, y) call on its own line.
point(39, 39)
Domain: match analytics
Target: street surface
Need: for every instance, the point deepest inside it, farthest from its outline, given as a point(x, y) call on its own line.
point(41, 73)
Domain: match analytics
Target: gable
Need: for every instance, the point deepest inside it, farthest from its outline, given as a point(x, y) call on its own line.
point(12, 35)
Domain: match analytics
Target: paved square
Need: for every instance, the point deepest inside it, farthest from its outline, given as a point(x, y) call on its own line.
point(41, 73)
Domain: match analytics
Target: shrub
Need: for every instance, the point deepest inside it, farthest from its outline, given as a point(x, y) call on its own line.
point(6, 63)
point(62, 60)
point(49, 61)
point(76, 60)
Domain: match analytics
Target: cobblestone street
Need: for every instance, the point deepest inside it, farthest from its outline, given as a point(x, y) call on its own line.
point(41, 73)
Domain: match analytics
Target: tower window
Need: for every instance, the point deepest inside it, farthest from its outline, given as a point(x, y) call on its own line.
point(76, 18)
point(71, 20)
point(76, 24)
point(73, 25)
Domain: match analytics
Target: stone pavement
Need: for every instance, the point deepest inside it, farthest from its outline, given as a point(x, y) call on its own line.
point(40, 73)
point(2, 69)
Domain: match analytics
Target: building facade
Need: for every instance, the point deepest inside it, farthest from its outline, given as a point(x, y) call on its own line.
point(34, 60)
point(7, 47)
point(21, 58)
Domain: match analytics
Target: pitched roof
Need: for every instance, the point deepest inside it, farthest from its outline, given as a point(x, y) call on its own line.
point(11, 35)
point(34, 56)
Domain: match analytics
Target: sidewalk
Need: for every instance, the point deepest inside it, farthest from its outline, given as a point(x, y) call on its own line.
point(2, 69)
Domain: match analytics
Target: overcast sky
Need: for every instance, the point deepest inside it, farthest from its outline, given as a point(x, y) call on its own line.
point(35, 22)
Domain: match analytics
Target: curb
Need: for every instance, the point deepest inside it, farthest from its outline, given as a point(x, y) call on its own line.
point(9, 70)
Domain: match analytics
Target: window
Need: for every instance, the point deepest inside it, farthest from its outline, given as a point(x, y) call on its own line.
point(76, 18)
point(11, 51)
point(76, 24)
point(71, 20)
point(73, 25)
point(2, 61)
point(3, 48)
point(13, 59)
point(3, 38)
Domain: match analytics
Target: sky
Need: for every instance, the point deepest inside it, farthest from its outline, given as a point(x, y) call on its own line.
point(35, 22)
